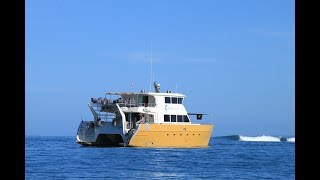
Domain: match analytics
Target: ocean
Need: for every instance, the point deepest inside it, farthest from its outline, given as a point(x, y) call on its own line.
point(227, 157)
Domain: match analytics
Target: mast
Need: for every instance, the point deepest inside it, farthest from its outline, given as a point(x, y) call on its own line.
point(150, 71)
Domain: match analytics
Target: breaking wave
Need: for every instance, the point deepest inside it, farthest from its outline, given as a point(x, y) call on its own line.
point(262, 138)
point(291, 139)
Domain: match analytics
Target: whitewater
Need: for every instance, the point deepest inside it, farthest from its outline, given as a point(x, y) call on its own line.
point(265, 138)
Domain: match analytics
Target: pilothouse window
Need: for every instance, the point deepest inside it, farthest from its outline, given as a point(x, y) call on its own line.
point(167, 100)
point(174, 100)
point(173, 118)
point(166, 118)
point(185, 118)
point(176, 118)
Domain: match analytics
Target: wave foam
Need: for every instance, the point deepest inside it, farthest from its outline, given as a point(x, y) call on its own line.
point(291, 139)
point(260, 138)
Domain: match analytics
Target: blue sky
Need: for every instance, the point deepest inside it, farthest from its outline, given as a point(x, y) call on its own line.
point(233, 59)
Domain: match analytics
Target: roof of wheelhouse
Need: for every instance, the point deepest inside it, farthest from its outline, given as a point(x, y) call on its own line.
point(147, 93)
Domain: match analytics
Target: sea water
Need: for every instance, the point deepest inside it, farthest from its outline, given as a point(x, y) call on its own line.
point(227, 157)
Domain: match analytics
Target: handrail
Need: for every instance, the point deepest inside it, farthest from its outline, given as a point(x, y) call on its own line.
point(123, 119)
point(147, 104)
point(137, 105)
point(123, 103)
point(93, 112)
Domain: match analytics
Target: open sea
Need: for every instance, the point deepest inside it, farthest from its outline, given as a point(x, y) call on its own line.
point(227, 157)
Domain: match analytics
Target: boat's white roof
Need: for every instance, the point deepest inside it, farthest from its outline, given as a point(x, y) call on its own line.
point(146, 93)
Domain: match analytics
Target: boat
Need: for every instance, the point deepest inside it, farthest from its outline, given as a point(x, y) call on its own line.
point(143, 119)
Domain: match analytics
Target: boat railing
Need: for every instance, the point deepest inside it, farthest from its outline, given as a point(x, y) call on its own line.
point(102, 115)
point(122, 103)
point(108, 117)
point(132, 103)
point(147, 104)
point(126, 103)
point(129, 125)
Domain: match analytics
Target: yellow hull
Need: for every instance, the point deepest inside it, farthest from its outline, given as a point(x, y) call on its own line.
point(172, 135)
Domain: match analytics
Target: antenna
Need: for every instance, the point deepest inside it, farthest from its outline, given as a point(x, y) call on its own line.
point(151, 70)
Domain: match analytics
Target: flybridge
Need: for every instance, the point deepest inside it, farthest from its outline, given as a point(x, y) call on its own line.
point(143, 92)
point(146, 93)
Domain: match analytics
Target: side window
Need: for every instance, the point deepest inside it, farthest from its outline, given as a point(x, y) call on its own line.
point(185, 118)
point(173, 118)
point(174, 100)
point(179, 100)
point(167, 100)
point(179, 118)
point(166, 118)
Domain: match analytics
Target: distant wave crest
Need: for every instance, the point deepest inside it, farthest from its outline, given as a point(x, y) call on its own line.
point(291, 139)
point(262, 138)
